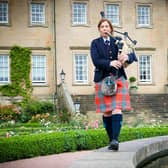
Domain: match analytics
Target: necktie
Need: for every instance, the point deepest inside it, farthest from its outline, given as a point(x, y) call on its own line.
point(107, 43)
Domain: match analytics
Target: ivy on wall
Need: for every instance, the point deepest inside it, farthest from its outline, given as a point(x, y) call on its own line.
point(20, 64)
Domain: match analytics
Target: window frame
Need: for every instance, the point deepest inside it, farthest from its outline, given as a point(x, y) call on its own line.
point(8, 23)
point(6, 82)
point(87, 12)
point(150, 17)
point(151, 70)
point(45, 24)
point(34, 82)
point(119, 4)
point(83, 82)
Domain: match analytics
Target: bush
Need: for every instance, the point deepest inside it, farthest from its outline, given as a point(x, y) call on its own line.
point(33, 108)
point(8, 113)
point(37, 107)
point(30, 146)
point(64, 116)
point(132, 79)
point(44, 144)
point(25, 117)
point(39, 117)
point(133, 87)
point(79, 121)
point(49, 143)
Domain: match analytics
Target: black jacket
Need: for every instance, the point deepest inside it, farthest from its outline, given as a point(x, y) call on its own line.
point(101, 59)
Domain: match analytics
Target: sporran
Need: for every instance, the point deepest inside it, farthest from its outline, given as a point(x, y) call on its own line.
point(109, 86)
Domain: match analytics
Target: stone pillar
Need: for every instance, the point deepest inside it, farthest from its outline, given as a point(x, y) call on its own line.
point(65, 99)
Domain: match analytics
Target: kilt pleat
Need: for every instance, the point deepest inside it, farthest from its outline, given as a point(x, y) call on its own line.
point(121, 100)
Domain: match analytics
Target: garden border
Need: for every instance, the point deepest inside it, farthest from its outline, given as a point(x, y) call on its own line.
point(132, 154)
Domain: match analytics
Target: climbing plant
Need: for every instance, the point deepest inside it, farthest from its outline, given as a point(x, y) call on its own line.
point(20, 64)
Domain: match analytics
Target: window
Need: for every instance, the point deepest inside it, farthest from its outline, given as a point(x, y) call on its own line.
point(81, 68)
point(37, 11)
point(79, 13)
point(4, 69)
point(145, 69)
point(112, 13)
point(38, 68)
point(144, 14)
point(3, 12)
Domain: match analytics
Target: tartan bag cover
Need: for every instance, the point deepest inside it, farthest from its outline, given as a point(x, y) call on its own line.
point(121, 100)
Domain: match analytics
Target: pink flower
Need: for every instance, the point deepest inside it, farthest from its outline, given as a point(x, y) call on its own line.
point(96, 124)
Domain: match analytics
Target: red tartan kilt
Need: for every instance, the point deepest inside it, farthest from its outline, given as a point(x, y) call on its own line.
point(121, 100)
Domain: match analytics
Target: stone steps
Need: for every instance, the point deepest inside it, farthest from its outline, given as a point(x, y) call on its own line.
point(149, 107)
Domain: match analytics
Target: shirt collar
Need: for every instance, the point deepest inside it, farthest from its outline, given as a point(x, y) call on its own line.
point(108, 38)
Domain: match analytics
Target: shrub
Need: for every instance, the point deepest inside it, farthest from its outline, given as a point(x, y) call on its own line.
point(30, 146)
point(25, 117)
point(64, 116)
point(49, 143)
point(44, 144)
point(132, 79)
point(47, 107)
point(39, 117)
point(133, 87)
point(8, 113)
point(79, 120)
point(38, 107)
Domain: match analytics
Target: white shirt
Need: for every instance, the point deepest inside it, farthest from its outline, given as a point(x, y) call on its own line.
point(108, 38)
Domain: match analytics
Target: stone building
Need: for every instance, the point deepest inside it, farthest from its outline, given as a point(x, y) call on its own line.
point(59, 33)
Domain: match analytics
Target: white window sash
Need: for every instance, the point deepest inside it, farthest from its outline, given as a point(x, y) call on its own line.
point(84, 69)
point(146, 17)
point(37, 67)
point(112, 13)
point(79, 16)
point(39, 17)
point(4, 13)
point(8, 70)
point(145, 69)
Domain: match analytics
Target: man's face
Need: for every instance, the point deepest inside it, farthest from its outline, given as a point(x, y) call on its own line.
point(104, 27)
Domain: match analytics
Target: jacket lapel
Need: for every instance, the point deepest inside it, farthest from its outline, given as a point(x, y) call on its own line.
point(113, 47)
point(103, 47)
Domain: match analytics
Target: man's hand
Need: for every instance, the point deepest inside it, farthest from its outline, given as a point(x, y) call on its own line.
point(123, 58)
point(117, 64)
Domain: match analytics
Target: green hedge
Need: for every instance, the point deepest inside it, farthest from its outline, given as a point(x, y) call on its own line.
point(44, 144)
point(21, 147)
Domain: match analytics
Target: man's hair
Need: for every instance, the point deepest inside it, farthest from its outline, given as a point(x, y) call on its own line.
point(105, 20)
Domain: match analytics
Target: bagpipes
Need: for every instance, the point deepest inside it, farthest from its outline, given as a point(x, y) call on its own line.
point(125, 45)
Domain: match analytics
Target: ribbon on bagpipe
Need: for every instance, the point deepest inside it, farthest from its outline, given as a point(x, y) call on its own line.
point(120, 42)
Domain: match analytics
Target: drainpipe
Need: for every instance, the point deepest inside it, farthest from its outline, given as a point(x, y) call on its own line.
point(55, 64)
point(167, 65)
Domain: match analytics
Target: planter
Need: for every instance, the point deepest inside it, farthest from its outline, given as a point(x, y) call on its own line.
point(132, 85)
point(133, 89)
